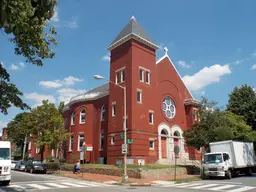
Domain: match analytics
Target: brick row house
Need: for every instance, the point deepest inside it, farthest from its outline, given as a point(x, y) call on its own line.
point(159, 107)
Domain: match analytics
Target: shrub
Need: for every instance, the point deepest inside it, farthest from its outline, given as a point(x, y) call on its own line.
point(53, 166)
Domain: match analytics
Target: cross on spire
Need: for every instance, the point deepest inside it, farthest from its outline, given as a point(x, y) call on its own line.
point(165, 50)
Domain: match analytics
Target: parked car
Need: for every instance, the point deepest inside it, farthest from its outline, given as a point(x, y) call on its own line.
point(20, 166)
point(13, 164)
point(33, 166)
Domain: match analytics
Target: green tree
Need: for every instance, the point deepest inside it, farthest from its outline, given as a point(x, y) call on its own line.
point(216, 125)
point(26, 21)
point(49, 130)
point(242, 101)
point(9, 94)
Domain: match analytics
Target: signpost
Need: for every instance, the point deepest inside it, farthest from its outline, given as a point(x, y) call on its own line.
point(176, 152)
point(83, 150)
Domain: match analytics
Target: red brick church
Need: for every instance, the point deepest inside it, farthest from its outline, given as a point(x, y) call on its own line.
point(159, 106)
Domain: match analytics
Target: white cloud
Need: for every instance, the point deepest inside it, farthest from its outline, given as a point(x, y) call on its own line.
point(253, 67)
point(22, 64)
point(72, 23)
point(17, 67)
point(51, 84)
point(71, 80)
point(237, 62)
point(206, 76)
point(68, 81)
point(254, 54)
point(14, 67)
point(254, 89)
point(67, 93)
point(38, 98)
point(55, 18)
point(106, 57)
point(2, 63)
point(184, 64)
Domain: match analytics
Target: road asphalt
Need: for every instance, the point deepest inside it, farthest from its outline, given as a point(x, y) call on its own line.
point(48, 183)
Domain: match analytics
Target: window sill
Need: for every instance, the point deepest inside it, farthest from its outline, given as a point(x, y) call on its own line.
point(70, 151)
point(139, 102)
point(151, 149)
point(151, 123)
point(81, 123)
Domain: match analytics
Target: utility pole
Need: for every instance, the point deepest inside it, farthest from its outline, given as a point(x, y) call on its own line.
point(24, 147)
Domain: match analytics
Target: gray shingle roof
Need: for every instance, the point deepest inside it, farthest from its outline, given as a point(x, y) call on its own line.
point(133, 27)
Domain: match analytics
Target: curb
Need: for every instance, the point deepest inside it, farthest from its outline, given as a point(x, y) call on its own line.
point(140, 184)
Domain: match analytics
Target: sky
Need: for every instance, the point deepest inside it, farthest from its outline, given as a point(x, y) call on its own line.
point(212, 44)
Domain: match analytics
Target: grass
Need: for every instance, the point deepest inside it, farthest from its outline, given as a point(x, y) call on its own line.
point(186, 180)
point(144, 167)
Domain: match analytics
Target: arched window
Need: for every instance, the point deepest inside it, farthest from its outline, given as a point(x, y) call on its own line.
point(103, 111)
point(73, 118)
point(82, 116)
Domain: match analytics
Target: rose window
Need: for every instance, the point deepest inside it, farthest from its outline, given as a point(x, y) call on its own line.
point(168, 107)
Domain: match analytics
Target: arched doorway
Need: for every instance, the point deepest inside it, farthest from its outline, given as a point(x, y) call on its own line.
point(164, 135)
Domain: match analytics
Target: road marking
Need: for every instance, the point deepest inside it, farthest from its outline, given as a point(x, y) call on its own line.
point(223, 187)
point(204, 186)
point(56, 185)
point(73, 185)
point(38, 186)
point(188, 185)
point(246, 188)
point(17, 187)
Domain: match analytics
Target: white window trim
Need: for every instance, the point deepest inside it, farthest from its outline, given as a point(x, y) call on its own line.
point(69, 147)
point(152, 148)
point(151, 113)
point(37, 150)
point(143, 70)
point(112, 140)
point(148, 72)
point(123, 71)
point(101, 137)
point(120, 69)
point(80, 120)
point(117, 74)
point(29, 145)
point(78, 143)
point(112, 110)
point(139, 91)
point(103, 110)
point(72, 120)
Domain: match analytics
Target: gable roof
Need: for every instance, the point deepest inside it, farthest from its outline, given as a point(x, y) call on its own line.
point(166, 56)
point(132, 29)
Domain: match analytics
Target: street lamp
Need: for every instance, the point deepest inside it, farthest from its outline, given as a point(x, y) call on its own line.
point(125, 176)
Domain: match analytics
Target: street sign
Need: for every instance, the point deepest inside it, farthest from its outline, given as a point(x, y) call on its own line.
point(129, 141)
point(176, 149)
point(84, 147)
point(121, 135)
point(89, 147)
point(124, 148)
point(81, 155)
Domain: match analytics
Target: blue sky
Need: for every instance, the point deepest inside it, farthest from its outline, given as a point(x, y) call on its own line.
point(212, 44)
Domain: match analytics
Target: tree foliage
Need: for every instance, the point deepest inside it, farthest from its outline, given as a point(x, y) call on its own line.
point(216, 125)
point(27, 21)
point(242, 101)
point(9, 93)
point(45, 124)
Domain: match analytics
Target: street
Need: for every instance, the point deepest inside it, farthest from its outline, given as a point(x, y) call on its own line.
point(46, 183)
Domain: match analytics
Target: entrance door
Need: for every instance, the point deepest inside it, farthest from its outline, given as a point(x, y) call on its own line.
point(163, 145)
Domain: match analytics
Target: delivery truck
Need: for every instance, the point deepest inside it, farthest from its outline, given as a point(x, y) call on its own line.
point(229, 159)
point(5, 162)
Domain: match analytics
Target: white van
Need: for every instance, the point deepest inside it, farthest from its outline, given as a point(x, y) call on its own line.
point(5, 162)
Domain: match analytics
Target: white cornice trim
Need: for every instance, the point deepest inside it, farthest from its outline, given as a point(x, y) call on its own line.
point(67, 106)
point(134, 36)
point(166, 56)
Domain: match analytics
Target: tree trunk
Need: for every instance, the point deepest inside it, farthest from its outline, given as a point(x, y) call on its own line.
point(42, 153)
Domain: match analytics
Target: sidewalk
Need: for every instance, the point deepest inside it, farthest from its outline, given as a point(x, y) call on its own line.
point(115, 179)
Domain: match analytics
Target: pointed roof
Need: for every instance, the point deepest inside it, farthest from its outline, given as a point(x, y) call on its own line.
point(133, 30)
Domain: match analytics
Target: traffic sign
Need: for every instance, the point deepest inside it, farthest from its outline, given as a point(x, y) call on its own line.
point(124, 148)
point(121, 135)
point(129, 141)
